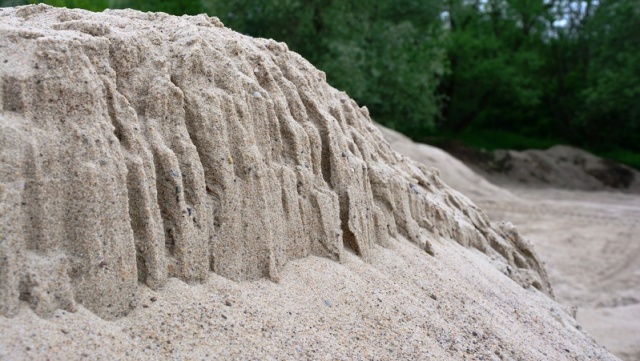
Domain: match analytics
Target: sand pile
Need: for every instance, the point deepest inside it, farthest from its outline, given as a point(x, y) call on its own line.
point(560, 166)
point(141, 151)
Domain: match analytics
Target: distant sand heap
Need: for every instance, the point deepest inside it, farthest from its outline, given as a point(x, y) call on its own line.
point(559, 166)
point(140, 146)
point(564, 167)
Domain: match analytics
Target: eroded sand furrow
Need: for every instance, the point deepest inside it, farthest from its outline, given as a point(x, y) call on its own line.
point(138, 147)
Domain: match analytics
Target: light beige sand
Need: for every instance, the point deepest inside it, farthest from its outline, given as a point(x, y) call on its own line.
point(589, 240)
point(142, 146)
point(170, 189)
point(405, 304)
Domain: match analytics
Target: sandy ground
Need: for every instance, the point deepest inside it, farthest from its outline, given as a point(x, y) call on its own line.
point(589, 241)
point(591, 246)
point(404, 305)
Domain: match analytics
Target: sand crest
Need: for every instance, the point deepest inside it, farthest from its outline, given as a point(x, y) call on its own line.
point(168, 185)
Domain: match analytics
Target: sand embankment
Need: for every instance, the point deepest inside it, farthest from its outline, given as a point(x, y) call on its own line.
point(171, 188)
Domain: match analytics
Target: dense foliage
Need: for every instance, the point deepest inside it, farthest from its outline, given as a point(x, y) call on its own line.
point(561, 70)
point(385, 54)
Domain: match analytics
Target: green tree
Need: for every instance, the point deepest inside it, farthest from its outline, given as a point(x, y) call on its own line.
point(611, 113)
point(496, 63)
point(566, 54)
point(385, 54)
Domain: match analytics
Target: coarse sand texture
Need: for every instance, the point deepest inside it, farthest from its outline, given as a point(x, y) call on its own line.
point(142, 149)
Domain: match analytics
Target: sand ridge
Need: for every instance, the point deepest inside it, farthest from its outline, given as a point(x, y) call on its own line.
point(143, 146)
point(156, 170)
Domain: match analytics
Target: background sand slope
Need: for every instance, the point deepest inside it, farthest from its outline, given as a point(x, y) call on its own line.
point(588, 240)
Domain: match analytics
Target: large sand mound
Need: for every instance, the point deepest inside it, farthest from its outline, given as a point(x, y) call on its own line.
point(139, 150)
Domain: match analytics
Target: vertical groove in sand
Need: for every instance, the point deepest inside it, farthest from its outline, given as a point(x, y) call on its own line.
point(141, 146)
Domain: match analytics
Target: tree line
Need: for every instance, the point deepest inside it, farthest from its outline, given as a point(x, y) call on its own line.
point(558, 70)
